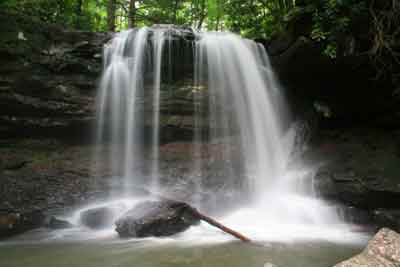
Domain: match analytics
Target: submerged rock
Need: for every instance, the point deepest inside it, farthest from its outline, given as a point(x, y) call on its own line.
point(383, 250)
point(101, 217)
point(156, 218)
point(55, 223)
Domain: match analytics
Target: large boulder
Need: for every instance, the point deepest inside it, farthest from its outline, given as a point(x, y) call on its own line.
point(383, 250)
point(156, 218)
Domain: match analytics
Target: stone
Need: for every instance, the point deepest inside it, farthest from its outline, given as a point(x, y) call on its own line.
point(387, 218)
point(55, 223)
point(101, 217)
point(360, 168)
point(156, 218)
point(383, 250)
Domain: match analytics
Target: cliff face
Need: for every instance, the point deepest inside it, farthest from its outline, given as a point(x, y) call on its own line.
point(47, 78)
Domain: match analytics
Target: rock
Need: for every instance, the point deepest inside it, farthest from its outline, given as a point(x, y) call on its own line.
point(12, 162)
point(32, 73)
point(55, 223)
point(387, 218)
point(101, 217)
point(309, 74)
point(361, 168)
point(156, 218)
point(356, 216)
point(383, 250)
point(13, 223)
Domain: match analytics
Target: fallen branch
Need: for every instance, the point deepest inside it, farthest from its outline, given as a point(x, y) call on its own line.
point(221, 226)
point(207, 219)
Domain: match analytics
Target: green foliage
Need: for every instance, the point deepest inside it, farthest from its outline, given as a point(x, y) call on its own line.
point(62, 12)
point(253, 18)
point(329, 21)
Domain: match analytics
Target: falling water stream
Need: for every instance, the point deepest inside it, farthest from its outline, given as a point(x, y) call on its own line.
point(247, 120)
point(239, 108)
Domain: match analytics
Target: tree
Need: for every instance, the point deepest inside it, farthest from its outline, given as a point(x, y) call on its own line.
point(78, 12)
point(132, 14)
point(202, 14)
point(175, 11)
point(111, 15)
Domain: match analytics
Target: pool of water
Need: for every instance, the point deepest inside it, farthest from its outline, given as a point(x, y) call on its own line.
point(141, 253)
point(42, 249)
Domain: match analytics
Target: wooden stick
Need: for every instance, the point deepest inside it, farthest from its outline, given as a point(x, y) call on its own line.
point(220, 226)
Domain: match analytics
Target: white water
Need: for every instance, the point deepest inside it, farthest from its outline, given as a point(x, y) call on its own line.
point(246, 109)
point(158, 45)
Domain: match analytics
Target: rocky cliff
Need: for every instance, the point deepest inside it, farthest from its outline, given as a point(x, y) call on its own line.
point(47, 78)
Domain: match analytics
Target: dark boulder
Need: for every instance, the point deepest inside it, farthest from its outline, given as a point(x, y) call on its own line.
point(156, 218)
point(55, 223)
point(101, 217)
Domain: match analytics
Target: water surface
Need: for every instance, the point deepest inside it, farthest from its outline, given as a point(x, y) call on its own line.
point(148, 253)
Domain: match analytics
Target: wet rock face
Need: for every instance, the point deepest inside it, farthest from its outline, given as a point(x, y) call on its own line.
point(360, 169)
point(388, 218)
point(156, 218)
point(310, 78)
point(383, 250)
point(48, 78)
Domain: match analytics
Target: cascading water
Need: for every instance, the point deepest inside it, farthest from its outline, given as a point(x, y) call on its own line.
point(246, 119)
point(243, 99)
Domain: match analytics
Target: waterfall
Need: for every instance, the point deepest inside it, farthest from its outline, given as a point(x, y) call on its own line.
point(234, 93)
point(158, 45)
point(243, 99)
point(121, 101)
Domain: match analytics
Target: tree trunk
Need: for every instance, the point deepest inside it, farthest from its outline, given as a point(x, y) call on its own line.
point(218, 15)
point(221, 226)
point(132, 14)
point(176, 4)
point(78, 11)
point(203, 14)
point(111, 15)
